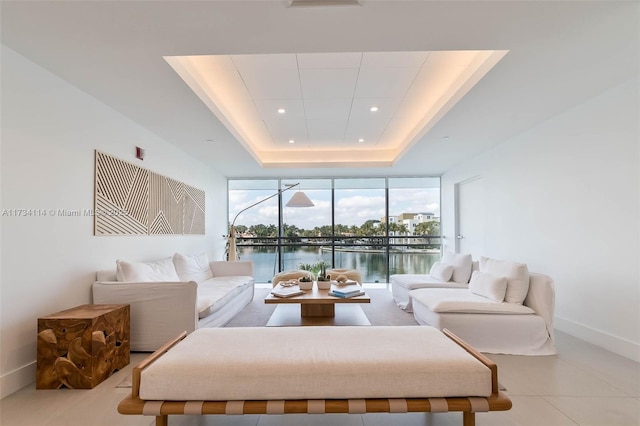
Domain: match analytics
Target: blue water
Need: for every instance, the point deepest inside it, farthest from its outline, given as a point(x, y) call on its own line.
point(372, 266)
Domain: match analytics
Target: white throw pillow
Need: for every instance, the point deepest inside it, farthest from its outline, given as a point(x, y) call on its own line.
point(192, 268)
point(517, 276)
point(461, 266)
point(159, 270)
point(441, 272)
point(488, 285)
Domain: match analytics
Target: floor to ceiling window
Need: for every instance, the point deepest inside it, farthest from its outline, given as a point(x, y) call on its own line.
point(413, 224)
point(359, 210)
point(379, 226)
point(307, 231)
point(257, 227)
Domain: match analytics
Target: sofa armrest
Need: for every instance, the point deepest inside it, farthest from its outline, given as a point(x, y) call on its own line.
point(221, 268)
point(541, 297)
point(159, 310)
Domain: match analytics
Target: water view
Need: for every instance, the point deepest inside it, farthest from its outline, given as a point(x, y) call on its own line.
point(371, 264)
point(359, 218)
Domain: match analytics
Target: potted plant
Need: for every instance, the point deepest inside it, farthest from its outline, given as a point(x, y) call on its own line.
point(306, 282)
point(324, 283)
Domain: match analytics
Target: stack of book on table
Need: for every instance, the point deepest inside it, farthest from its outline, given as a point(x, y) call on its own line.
point(287, 292)
point(350, 290)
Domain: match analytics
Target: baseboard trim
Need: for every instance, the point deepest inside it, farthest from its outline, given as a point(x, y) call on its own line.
point(611, 343)
point(17, 379)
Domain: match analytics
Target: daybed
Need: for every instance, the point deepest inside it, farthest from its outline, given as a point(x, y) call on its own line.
point(501, 312)
point(453, 272)
point(175, 294)
point(216, 371)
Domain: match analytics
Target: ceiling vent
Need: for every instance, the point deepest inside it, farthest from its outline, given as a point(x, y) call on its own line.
point(292, 3)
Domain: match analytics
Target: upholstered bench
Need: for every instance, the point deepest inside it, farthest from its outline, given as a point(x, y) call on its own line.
point(314, 370)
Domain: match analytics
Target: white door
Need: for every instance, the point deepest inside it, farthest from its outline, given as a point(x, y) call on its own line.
point(470, 215)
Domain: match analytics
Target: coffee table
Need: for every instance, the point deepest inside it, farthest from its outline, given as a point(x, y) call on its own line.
point(317, 308)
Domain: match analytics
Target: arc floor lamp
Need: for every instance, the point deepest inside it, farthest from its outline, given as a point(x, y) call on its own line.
point(299, 199)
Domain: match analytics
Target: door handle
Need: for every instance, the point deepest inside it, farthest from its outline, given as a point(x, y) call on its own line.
point(460, 237)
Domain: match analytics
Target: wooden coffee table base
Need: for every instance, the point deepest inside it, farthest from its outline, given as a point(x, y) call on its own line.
point(318, 310)
point(286, 315)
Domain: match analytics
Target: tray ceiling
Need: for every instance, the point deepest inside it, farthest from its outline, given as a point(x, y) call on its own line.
point(344, 109)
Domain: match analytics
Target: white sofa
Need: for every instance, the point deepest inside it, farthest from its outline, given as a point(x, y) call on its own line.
point(453, 272)
point(161, 308)
point(518, 324)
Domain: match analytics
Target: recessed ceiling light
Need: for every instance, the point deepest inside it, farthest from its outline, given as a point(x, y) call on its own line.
point(281, 111)
point(292, 141)
point(373, 108)
point(323, 3)
point(361, 140)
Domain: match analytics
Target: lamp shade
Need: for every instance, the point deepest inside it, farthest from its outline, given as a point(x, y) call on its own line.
point(300, 199)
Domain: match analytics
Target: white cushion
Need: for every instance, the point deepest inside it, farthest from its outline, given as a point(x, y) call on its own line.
point(413, 281)
point(215, 293)
point(488, 285)
point(160, 270)
point(445, 300)
point(517, 276)
point(192, 268)
point(461, 266)
point(441, 272)
point(413, 362)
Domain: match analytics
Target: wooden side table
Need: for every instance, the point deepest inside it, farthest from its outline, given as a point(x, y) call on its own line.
point(80, 347)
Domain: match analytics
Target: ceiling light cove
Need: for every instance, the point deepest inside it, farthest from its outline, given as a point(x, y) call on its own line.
point(410, 92)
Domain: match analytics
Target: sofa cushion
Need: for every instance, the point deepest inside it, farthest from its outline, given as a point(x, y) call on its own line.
point(159, 270)
point(413, 281)
point(517, 276)
point(192, 268)
point(441, 272)
point(461, 263)
point(215, 292)
point(445, 300)
point(488, 285)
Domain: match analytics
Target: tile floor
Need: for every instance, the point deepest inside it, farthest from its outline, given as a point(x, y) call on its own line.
point(583, 385)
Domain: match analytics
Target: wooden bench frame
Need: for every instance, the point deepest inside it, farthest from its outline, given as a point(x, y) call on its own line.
point(497, 401)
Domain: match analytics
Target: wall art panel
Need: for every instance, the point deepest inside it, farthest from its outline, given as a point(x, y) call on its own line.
point(130, 200)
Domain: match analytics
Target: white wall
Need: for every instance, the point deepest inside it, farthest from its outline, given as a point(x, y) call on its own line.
point(564, 198)
point(50, 130)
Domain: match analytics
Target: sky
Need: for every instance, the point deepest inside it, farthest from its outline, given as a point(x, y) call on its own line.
point(353, 206)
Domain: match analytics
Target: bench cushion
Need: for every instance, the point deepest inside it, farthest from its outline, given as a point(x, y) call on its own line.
point(265, 363)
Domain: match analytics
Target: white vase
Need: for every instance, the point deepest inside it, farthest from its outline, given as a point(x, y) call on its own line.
point(305, 285)
point(324, 285)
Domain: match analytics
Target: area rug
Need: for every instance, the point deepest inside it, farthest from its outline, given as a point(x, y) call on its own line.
point(126, 383)
point(381, 311)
